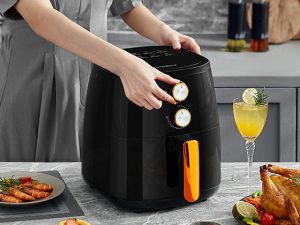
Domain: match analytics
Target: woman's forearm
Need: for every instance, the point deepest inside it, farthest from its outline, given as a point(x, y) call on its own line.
point(58, 29)
point(137, 76)
point(145, 23)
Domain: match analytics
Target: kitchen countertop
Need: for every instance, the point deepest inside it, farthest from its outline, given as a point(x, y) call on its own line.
point(279, 67)
point(99, 210)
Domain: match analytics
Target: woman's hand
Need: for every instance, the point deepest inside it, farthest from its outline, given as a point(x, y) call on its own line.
point(177, 40)
point(145, 23)
point(138, 79)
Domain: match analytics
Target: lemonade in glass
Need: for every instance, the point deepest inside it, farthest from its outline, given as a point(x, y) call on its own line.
point(250, 119)
point(250, 115)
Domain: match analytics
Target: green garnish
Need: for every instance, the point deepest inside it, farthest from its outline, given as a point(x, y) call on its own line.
point(245, 220)
point(261, 97)
point(6, 183)
point(296, 180)
point(257, 193)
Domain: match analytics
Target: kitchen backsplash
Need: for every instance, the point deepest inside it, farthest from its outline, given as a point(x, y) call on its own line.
point(188, 16)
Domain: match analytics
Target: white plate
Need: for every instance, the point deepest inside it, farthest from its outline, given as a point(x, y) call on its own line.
point(57, 184)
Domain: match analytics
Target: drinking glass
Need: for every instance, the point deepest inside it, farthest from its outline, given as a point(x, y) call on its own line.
point(250, 121)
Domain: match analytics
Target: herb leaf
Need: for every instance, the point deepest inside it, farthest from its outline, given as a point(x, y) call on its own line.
point(261, 97)
point(296, 180)
point(6, 183)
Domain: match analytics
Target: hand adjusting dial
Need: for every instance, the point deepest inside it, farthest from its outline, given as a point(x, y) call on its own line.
point(180, 91)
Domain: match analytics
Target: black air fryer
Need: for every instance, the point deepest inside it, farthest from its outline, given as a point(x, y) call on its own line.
point(147, 160)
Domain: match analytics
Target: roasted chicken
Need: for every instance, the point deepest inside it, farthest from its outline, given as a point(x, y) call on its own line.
point(281, 194)
point(283, 171)
point(288, 188)
point(272, 200)
point(293, 215)
point(283, 222)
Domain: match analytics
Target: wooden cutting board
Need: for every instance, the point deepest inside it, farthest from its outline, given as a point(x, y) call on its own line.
point(284, 20)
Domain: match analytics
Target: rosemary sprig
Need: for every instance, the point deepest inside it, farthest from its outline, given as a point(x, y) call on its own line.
point(261, 97)
point(6, 183)
point(296, 180)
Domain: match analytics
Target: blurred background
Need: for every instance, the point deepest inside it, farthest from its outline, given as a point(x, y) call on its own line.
point(276, 69)
point(188, 16)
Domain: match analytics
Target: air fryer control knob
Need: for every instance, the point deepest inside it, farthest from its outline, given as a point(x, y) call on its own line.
point(180, 91)
point(181, 118)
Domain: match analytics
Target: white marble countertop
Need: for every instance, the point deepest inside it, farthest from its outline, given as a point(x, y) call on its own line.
point(98, 210)
point(279, 67)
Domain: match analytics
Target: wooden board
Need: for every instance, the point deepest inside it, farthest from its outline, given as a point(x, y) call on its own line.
point(284, 20)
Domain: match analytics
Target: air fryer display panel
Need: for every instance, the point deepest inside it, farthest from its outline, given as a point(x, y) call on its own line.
point(168, 59)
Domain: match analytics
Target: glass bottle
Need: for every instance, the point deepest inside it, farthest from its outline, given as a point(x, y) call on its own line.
point(236, 29)
point(260, 25)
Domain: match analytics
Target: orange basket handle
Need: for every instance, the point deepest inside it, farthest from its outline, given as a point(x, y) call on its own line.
point(191, 170)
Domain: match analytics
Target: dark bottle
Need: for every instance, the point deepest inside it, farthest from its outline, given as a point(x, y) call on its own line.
point(260, 25)
point(236, 29)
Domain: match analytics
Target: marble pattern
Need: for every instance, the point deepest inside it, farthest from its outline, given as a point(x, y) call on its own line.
point(188, 16)
point(99, 210)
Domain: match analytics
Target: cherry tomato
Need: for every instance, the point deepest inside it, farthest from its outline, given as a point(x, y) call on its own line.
point(267, 219)
point(24, 180)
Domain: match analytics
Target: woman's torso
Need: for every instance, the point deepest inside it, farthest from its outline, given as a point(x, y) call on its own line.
point(43, 87)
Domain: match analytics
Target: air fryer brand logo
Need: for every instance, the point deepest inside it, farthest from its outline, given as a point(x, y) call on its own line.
point(166, 66)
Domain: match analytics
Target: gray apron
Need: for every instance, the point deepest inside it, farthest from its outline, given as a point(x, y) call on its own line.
point(43, 87)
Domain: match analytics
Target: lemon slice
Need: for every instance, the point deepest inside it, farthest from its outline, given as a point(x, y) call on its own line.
point(243, 210)
point(249, 96)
